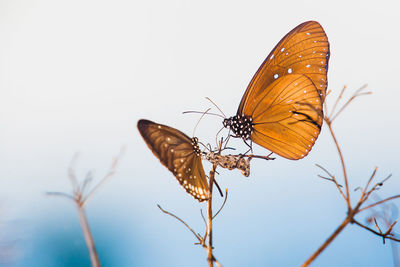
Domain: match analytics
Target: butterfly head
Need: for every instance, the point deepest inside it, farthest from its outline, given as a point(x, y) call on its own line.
point(241, 125)
point(196, 147)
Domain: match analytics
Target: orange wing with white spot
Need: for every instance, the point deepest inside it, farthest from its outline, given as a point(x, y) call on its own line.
point(179, 153)
point(304, 50)
point(287, 116)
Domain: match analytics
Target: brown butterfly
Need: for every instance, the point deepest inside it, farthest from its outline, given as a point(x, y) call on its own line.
point(281, 109)
point(179, 153)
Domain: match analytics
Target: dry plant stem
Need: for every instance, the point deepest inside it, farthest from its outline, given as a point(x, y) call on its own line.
point(342, 162)
point(80, 198)
point(210, 217)
point(327, 242)
point(94, 258)
point(351, 212)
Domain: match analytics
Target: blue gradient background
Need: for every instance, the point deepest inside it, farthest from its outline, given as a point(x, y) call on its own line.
point(77, 75)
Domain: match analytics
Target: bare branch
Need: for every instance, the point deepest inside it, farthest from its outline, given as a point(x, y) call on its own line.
point(337, 101)
point(182, 221)
point(347, 196)
point(223, 204)
point(333, 179)
point(387, 236)
point(71, 173)
point(375, 187)
point(109, 175)
point(60, 194)
point(379, 202)
point(354, 96)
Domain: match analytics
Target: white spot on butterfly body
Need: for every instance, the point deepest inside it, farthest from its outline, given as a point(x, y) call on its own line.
point(289, 70)
point(276, 76)
point(283, 49)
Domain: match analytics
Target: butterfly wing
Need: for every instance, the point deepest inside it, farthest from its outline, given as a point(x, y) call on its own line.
point(287, 116)
point(304, 50)
point(175, 151)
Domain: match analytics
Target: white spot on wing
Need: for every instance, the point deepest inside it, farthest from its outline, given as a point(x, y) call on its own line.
point(271, 57)
point(289, 70)
point(283, 49)
point(308, 66)
point(276, 76)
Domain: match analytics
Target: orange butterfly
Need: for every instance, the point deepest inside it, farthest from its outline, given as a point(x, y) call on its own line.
point(179, 153)
point(281, 109)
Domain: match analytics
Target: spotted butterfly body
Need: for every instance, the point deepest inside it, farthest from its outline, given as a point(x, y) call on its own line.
point(281, 109)
point(179, 153)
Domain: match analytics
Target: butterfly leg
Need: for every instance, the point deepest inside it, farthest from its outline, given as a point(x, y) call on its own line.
point(250, 146)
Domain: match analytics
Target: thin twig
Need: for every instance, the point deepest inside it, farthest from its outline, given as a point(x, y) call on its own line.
point(182, 221)
point(60, 194)
point(333, 179)
point(379, 202)
point(369, 181)
point(223, 204)
point(375, 232)
point(110, 174)
point(347, 197)
point(210, 217)
point(327, 242)
point(337, 101)
point(94, 258)
point(355, 95)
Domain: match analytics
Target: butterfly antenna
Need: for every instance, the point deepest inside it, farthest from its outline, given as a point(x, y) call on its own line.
point(204, 113)
point(216, 107)
point(200, 112)
point(216, 136)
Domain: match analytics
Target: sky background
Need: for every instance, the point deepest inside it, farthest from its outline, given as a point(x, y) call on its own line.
point(76, 76)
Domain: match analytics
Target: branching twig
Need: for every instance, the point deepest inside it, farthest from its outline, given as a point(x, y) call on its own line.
point(365, 192)
point(201, 240)
point(80, 198)
point(223, 204)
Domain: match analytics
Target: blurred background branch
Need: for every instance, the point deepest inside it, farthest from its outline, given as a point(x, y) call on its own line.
point(81, 194)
